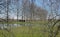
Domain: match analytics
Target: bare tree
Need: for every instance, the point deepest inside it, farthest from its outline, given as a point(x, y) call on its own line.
point(54, 7)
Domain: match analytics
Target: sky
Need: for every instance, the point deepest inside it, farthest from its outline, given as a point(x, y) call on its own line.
point(37, 2)
point(40, 3)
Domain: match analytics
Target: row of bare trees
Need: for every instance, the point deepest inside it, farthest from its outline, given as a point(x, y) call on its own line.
point(26, 8)
point(31, 11)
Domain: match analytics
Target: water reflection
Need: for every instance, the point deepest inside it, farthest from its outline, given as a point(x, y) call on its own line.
point(2, 26)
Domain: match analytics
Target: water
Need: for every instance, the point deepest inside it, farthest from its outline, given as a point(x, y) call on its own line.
point(2, 26)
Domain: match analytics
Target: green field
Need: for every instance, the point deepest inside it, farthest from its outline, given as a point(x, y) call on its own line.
point(38, 29)
point(27, 22)
point(25, 31)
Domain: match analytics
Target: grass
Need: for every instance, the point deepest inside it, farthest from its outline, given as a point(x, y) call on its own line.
point(32, 22)
point(38, 30)
point(25, 31)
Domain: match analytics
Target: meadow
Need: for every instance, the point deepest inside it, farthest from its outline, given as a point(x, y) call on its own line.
point(37, 29)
